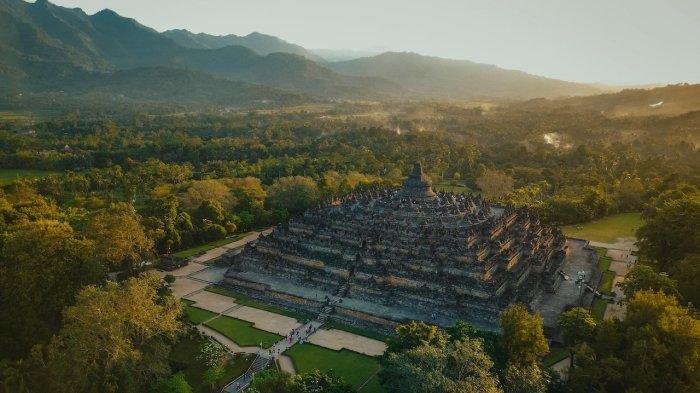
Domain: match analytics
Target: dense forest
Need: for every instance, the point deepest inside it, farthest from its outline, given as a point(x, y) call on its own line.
point(119, 189)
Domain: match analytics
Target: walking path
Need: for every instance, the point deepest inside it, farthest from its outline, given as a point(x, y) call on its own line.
point(219, 251)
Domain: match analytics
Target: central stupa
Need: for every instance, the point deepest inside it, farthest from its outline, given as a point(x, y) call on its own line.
point(389, 255)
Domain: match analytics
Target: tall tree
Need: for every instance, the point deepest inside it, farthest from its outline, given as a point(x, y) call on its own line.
point(523, 336)
point(577, 326)
point(120, 238)
point(114, 339)
point(43, 264)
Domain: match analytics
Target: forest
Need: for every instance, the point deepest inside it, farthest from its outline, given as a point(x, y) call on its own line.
point(89, 195)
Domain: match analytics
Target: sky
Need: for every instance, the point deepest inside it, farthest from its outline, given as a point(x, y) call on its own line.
point(620, 42)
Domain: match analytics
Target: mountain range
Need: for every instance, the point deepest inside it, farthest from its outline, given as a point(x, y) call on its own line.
point(44, 47)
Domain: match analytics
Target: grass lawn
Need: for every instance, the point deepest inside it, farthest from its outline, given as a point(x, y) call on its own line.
point(247, 301)
point(184, 358)
point(242, 332)
point(607, 229)
point(7, 176)
point(196, 315)
point(354, 367)
point(458, 187)
point(206, 247)
point(351, 329)
point(556, 354)
point(598, 309)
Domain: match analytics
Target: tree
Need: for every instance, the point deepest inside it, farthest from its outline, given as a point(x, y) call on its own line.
point(523, 336)
point(210, 210)
point(577, 326)
point(525, 379)
point(271, 381)
point(43, 264)
point(642, 277)
point(671, 232)
point(461, 366)
point(416, 333)
point(295, 194)
point(687, 273)
point(115, 338)
point(177, 383)
point(654, 349)
point(494, 184)
point(462, 330)
point(119, 237)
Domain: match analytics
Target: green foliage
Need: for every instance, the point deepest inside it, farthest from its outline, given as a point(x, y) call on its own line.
point(654, 349)
point(293, 194)
point(43, 265)
point(115, 338)
point(177, 383)
point(643, 278)
point(309, 382)
point(671, 232)
point(461, 366)
point(523, 337)
point(577, 325)
point(414, 334)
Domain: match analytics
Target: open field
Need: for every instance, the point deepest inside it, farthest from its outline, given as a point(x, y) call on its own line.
point(243, 333)
point(184, 358)
point(194, 314)
point(7, 176)
point(458, 187)
point(355, 368)
point(607, 229)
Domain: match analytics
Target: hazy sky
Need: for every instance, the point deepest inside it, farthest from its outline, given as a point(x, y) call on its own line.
point(610, 41)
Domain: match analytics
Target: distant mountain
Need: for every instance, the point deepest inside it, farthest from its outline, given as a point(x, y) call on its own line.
point(457, 79)
point(333, 55)
point(40, 37)
point(262, 44)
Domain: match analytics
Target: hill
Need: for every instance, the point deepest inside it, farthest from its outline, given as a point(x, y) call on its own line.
point(262, 44)
point(671, 100)
point(40, 37)
point(436, 77)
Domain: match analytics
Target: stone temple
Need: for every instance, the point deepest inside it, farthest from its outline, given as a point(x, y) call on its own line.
point(386, 256)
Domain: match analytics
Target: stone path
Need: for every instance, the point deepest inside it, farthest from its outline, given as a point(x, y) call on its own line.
point(219, 251)
point(286, 364)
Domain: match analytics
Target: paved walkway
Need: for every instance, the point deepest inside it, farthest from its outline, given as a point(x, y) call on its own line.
point(219, 251)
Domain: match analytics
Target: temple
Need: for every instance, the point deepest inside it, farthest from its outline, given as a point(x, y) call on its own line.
point(385, 256)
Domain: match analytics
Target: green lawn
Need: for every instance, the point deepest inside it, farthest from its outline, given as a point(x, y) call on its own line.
point(598, 309)
point(184, 358)
point(606, 283)
point(458, 187)
point(206, 247)
point(247, 301)
point(607, 229)
point(351, 329)
point(7, 176)
point(555, 355)
point(196, 315)
point(354, 367)
point(242, 332)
